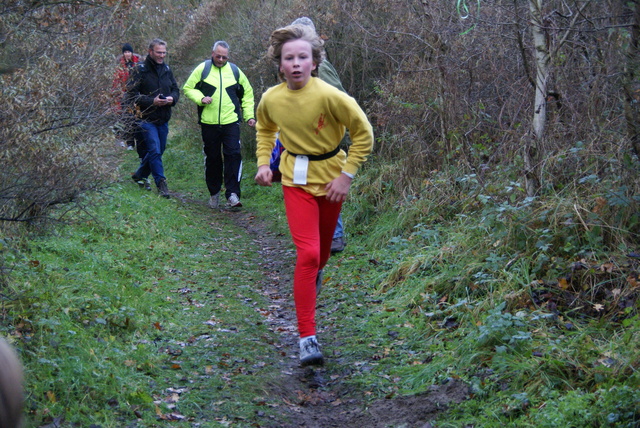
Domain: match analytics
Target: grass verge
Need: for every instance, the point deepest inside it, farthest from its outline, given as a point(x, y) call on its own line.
point(142, 310)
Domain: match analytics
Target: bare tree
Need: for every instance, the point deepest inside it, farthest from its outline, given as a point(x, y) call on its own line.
point(534, 147)
point(58, 102)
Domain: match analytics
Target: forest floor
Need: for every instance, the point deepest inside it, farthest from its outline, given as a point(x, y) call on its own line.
point(315, 397)
point(212, 338)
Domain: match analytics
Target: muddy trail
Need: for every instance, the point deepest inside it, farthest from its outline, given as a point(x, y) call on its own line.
point(316, 397)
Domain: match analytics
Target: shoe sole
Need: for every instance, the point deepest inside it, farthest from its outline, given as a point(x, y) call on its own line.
point(313, 360)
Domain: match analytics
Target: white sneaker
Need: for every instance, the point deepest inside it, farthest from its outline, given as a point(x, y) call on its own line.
point(214, 201)
point(310, 352)
point(234, 201)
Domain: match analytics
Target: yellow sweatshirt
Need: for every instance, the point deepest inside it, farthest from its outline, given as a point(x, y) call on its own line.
point(312, 121)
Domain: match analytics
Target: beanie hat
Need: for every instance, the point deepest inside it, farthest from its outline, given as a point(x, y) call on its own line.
point(127, 47)
point(303, 20)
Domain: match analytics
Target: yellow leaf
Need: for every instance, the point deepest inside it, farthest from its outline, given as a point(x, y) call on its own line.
point(173, 398)
point(563, 283)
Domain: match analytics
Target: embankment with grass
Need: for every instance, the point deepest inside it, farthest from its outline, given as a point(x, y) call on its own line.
point(141, 311)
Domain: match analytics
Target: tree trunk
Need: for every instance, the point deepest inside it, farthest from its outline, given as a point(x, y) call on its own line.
point(533, 144)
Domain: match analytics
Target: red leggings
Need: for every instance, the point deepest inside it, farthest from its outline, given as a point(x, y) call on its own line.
point(312, 221)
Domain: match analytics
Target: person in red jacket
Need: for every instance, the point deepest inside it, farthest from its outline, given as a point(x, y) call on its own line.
point(125, 63)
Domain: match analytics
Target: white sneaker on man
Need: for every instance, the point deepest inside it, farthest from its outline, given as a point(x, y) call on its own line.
point(234, 201)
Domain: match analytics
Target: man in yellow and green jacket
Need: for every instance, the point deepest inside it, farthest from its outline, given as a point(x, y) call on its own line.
point(224, 98)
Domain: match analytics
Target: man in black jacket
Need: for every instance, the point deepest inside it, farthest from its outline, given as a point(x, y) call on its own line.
point(152, 91)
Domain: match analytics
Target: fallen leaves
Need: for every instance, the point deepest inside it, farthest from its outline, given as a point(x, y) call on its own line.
point(604, 289)
point(169, 401)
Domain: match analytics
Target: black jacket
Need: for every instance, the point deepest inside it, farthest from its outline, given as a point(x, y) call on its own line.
point(147, 80)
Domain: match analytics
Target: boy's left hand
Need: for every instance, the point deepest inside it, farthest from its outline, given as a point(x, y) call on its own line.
point(338, 188)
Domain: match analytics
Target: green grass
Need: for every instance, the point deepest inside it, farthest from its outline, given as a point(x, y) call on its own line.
point(462, 297)
point(140, 301)
point(136, 297)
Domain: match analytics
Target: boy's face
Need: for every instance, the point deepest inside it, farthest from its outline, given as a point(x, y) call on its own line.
point(296, 63)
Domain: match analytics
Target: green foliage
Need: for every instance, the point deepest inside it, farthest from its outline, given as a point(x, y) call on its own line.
point(500, 330)
point(94, 316)
point(616, 407)
point(516, 295)
point(451, 270)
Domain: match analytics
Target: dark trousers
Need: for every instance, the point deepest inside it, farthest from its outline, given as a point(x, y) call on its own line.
point(138, 134)
point(222, 157)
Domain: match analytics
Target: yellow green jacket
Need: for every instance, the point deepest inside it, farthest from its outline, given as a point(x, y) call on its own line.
point(220, 85)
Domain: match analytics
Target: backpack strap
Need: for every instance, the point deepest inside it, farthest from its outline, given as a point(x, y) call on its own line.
point(206, 70)
point(239, 90)
point(236, 72)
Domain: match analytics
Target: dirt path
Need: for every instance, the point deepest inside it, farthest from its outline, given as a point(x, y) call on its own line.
point(315, 397)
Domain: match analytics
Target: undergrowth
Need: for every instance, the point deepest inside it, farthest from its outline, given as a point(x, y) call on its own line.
point(532, 301)
point(141, 311)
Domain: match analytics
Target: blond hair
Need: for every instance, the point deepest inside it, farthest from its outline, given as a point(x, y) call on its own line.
point(295, 32)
